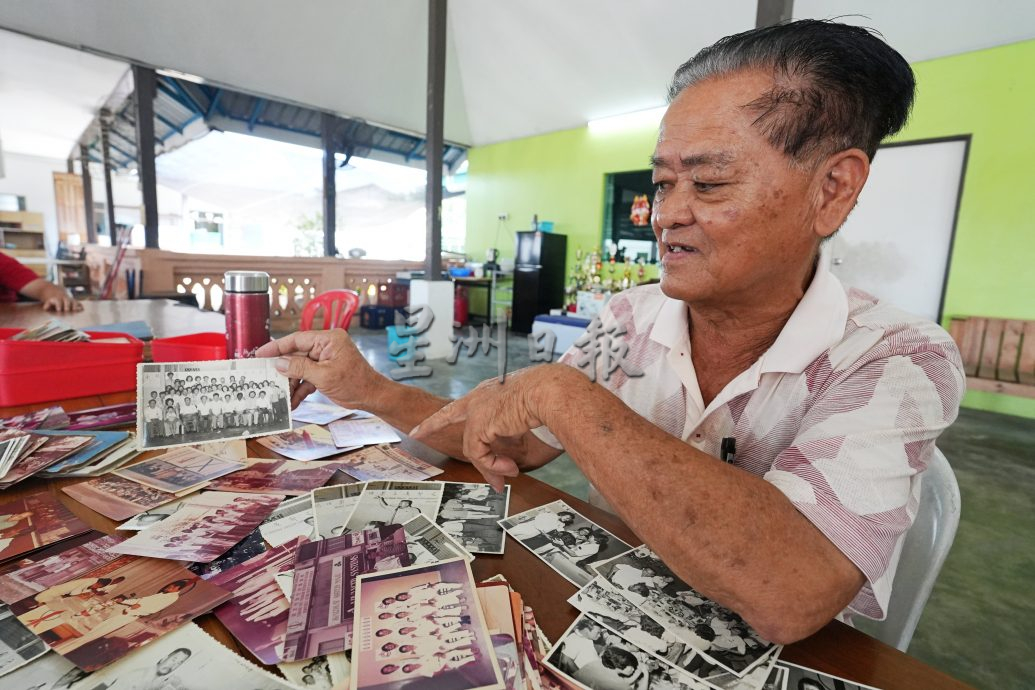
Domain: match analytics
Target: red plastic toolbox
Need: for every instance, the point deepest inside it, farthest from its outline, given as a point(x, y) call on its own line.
point(196, 347)
point(39, 371)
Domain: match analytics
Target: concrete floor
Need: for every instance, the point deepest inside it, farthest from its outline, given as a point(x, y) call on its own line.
point(979, 625)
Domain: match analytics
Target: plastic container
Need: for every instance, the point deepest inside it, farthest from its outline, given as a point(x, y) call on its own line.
point(196, 347)
point(461, 272)
point(394, 337)
point(376, 317)
point(35, 371)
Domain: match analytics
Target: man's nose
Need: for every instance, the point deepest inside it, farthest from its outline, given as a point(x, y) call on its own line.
point(674, 209)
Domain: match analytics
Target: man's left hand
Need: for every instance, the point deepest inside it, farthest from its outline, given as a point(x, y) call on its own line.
point(55, 298)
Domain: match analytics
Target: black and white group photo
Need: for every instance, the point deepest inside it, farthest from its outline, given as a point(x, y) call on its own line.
point(567, 541)
point(721, 635)
point(195, 402)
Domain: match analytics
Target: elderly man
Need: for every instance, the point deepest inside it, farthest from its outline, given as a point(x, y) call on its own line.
point(834, 398)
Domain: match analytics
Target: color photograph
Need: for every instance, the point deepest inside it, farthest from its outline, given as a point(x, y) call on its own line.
point(386, 463)
point(154, 516)
point(257, 612)
point(470, 513)
point(36, 520)
point(57, 568)
point(204, 528)
point(183, 403)
point(100, 616)
point(117, 498)
point(179, 470)
point(322, 596)
point(274, 476)
point(422, 627)
point(564, 540)
point(309, 442)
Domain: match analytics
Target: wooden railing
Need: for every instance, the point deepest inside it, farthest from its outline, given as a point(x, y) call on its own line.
point(294, 280)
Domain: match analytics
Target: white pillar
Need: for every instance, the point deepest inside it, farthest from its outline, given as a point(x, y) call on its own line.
point(438, 295)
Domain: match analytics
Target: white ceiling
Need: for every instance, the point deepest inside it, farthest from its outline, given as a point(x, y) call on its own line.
point(49, 94)
point(514, 69)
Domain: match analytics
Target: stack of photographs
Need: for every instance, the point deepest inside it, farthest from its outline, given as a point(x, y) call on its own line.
point(27, 453)
point(53, 330)
point(185, 403)
point(108, 451)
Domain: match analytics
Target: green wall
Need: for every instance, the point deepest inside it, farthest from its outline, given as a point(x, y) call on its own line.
point(989, 94)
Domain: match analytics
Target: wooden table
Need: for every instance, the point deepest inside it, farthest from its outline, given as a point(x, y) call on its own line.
point(167, 318)
point(837, 649)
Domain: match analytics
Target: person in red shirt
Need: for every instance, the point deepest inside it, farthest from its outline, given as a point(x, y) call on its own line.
point(16, 279)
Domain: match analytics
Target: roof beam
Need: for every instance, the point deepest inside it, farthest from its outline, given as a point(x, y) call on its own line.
point(260, 105)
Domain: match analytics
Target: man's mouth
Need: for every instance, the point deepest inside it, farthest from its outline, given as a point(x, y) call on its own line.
point(680, 248)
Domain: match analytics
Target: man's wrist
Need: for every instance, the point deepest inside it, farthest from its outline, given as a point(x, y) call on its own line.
point(549, 389)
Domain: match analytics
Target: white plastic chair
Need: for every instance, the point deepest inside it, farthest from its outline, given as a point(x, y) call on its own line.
point(923, 553)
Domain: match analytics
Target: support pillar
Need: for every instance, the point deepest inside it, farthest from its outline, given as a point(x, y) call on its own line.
point(330, 222)
point(434, 137)
point(144, 84)
point(106, 155)
point(84, 162)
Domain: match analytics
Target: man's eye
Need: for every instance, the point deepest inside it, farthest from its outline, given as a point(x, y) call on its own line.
point(706, 186)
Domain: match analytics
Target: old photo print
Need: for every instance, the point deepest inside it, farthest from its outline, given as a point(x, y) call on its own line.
point(720, 634)
point(564, 539)
point(428, 543)
point(179, 470)
point(36, 520)
point(393, 503)
point(292, 519)
point(333, 506)
point(422, 627)
point(383, 463)
point(183, 403)
point(470, 513)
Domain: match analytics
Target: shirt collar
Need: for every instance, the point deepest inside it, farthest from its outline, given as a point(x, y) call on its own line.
point(815, 325)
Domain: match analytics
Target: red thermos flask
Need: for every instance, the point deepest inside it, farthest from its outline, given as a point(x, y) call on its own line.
point(246, 300)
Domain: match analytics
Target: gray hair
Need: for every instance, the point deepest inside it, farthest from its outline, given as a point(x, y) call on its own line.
point(835, 86)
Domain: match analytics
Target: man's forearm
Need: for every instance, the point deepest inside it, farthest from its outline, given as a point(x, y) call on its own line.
point(729, 533)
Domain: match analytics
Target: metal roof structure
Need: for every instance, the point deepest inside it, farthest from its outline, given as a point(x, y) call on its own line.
point(185, 110)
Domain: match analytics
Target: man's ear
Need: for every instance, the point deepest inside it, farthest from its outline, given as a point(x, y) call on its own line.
point(841, 178)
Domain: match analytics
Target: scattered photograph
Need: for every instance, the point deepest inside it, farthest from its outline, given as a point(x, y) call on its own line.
point(227, 450)
point(79, 449)
point(422, 627)
point(322, 596)
point(309, 442)
point(393, 503)
point(179, 470)
point(204, 528)
point(385, 463)
point(99, 617)
point(502, 621)
point(594, 657)
point(49, 672)
point(427, 543)
point(287, 477)
point(120, 454)
point(564, 540)
point(249, 547)
point(257, 612)
point(333, 506)
point(291, 520)
point(777, 679)
point(32, 420)
point(57, 568)
point(801, 678)
point(186, 658)
point(317, 409)
point(18, 645)
point(323, 672)
point(51, 453)
point(154, 516)
point(33, 521)
point(721, 635)
point(182, 403)
point(102, 417)
point(349, 433)
point(117, 498)
point(471, 514)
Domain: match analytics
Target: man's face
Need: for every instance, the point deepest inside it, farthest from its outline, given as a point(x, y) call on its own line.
point(739, 211)
point(171, 662)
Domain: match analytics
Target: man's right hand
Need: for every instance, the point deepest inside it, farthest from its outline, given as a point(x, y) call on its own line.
point(327, 361)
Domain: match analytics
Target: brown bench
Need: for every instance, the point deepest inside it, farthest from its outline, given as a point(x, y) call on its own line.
point(998, 354)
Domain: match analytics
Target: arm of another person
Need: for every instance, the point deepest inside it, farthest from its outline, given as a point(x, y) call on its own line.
point(15, 276)
point(763, 547)
point(329, 361)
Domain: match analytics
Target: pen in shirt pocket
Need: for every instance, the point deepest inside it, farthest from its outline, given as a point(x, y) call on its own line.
point(728, 449)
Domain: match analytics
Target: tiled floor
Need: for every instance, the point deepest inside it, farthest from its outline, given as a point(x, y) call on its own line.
point(979, 625)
